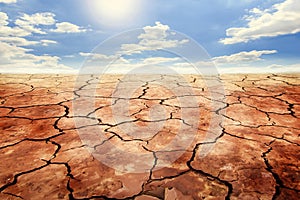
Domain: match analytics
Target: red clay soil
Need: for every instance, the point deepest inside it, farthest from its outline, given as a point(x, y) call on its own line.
point(64, 137)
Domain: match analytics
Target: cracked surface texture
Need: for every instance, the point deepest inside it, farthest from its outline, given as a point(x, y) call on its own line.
point(51, 149)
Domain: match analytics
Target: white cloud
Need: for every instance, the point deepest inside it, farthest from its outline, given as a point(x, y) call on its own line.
point(244, 56)
point(6, 30)
point(98, 57)
point(8, 52)
point(3, 19)
point(47, 42)
point(13, 54)
point(15, 35)
point(153, 38)
point(115, 60)
point(160, 60)
point(8, 1)
point(175, 64)
point(18, 41)
point(67, 27)
point(13, 31)
point(45, 18)
point(281, 19)
point(83, 54)
point(29, 23)
point(99, 63)
point(13, 57)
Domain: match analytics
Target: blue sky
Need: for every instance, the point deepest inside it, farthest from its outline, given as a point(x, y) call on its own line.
point(60, 36)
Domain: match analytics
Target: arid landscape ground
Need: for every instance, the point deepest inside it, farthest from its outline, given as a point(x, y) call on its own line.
point(64, 137)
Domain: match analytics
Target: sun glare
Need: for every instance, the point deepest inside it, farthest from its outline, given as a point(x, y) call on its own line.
point(115, 13)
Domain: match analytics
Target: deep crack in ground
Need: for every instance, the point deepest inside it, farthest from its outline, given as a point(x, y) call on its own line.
point(251, 153)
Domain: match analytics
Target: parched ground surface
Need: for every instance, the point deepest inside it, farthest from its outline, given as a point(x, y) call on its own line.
point(150, 137)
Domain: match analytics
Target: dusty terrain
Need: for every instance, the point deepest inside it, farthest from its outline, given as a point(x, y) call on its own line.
point(236, 137)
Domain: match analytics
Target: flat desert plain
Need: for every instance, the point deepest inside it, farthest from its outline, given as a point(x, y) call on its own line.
point(148, 137)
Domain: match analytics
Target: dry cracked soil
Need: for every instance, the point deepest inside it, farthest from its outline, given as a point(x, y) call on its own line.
point(148, 137)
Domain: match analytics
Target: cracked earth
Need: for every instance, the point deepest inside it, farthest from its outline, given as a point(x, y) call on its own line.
point(64, 137)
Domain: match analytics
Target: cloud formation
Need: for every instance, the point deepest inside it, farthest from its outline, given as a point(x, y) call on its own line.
point(160, 60)
point(281, 19)
point(99, 57)
point(47, 42)
point(244, 56)
point(3, 19)
point(14, 51)
point(67, 27)
point(8, 1)
point(153, 38)
point(29, 23)
point(6, 30)
point(19, 57)
point(45, 18)
point(18, 41)
point(25, 25)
